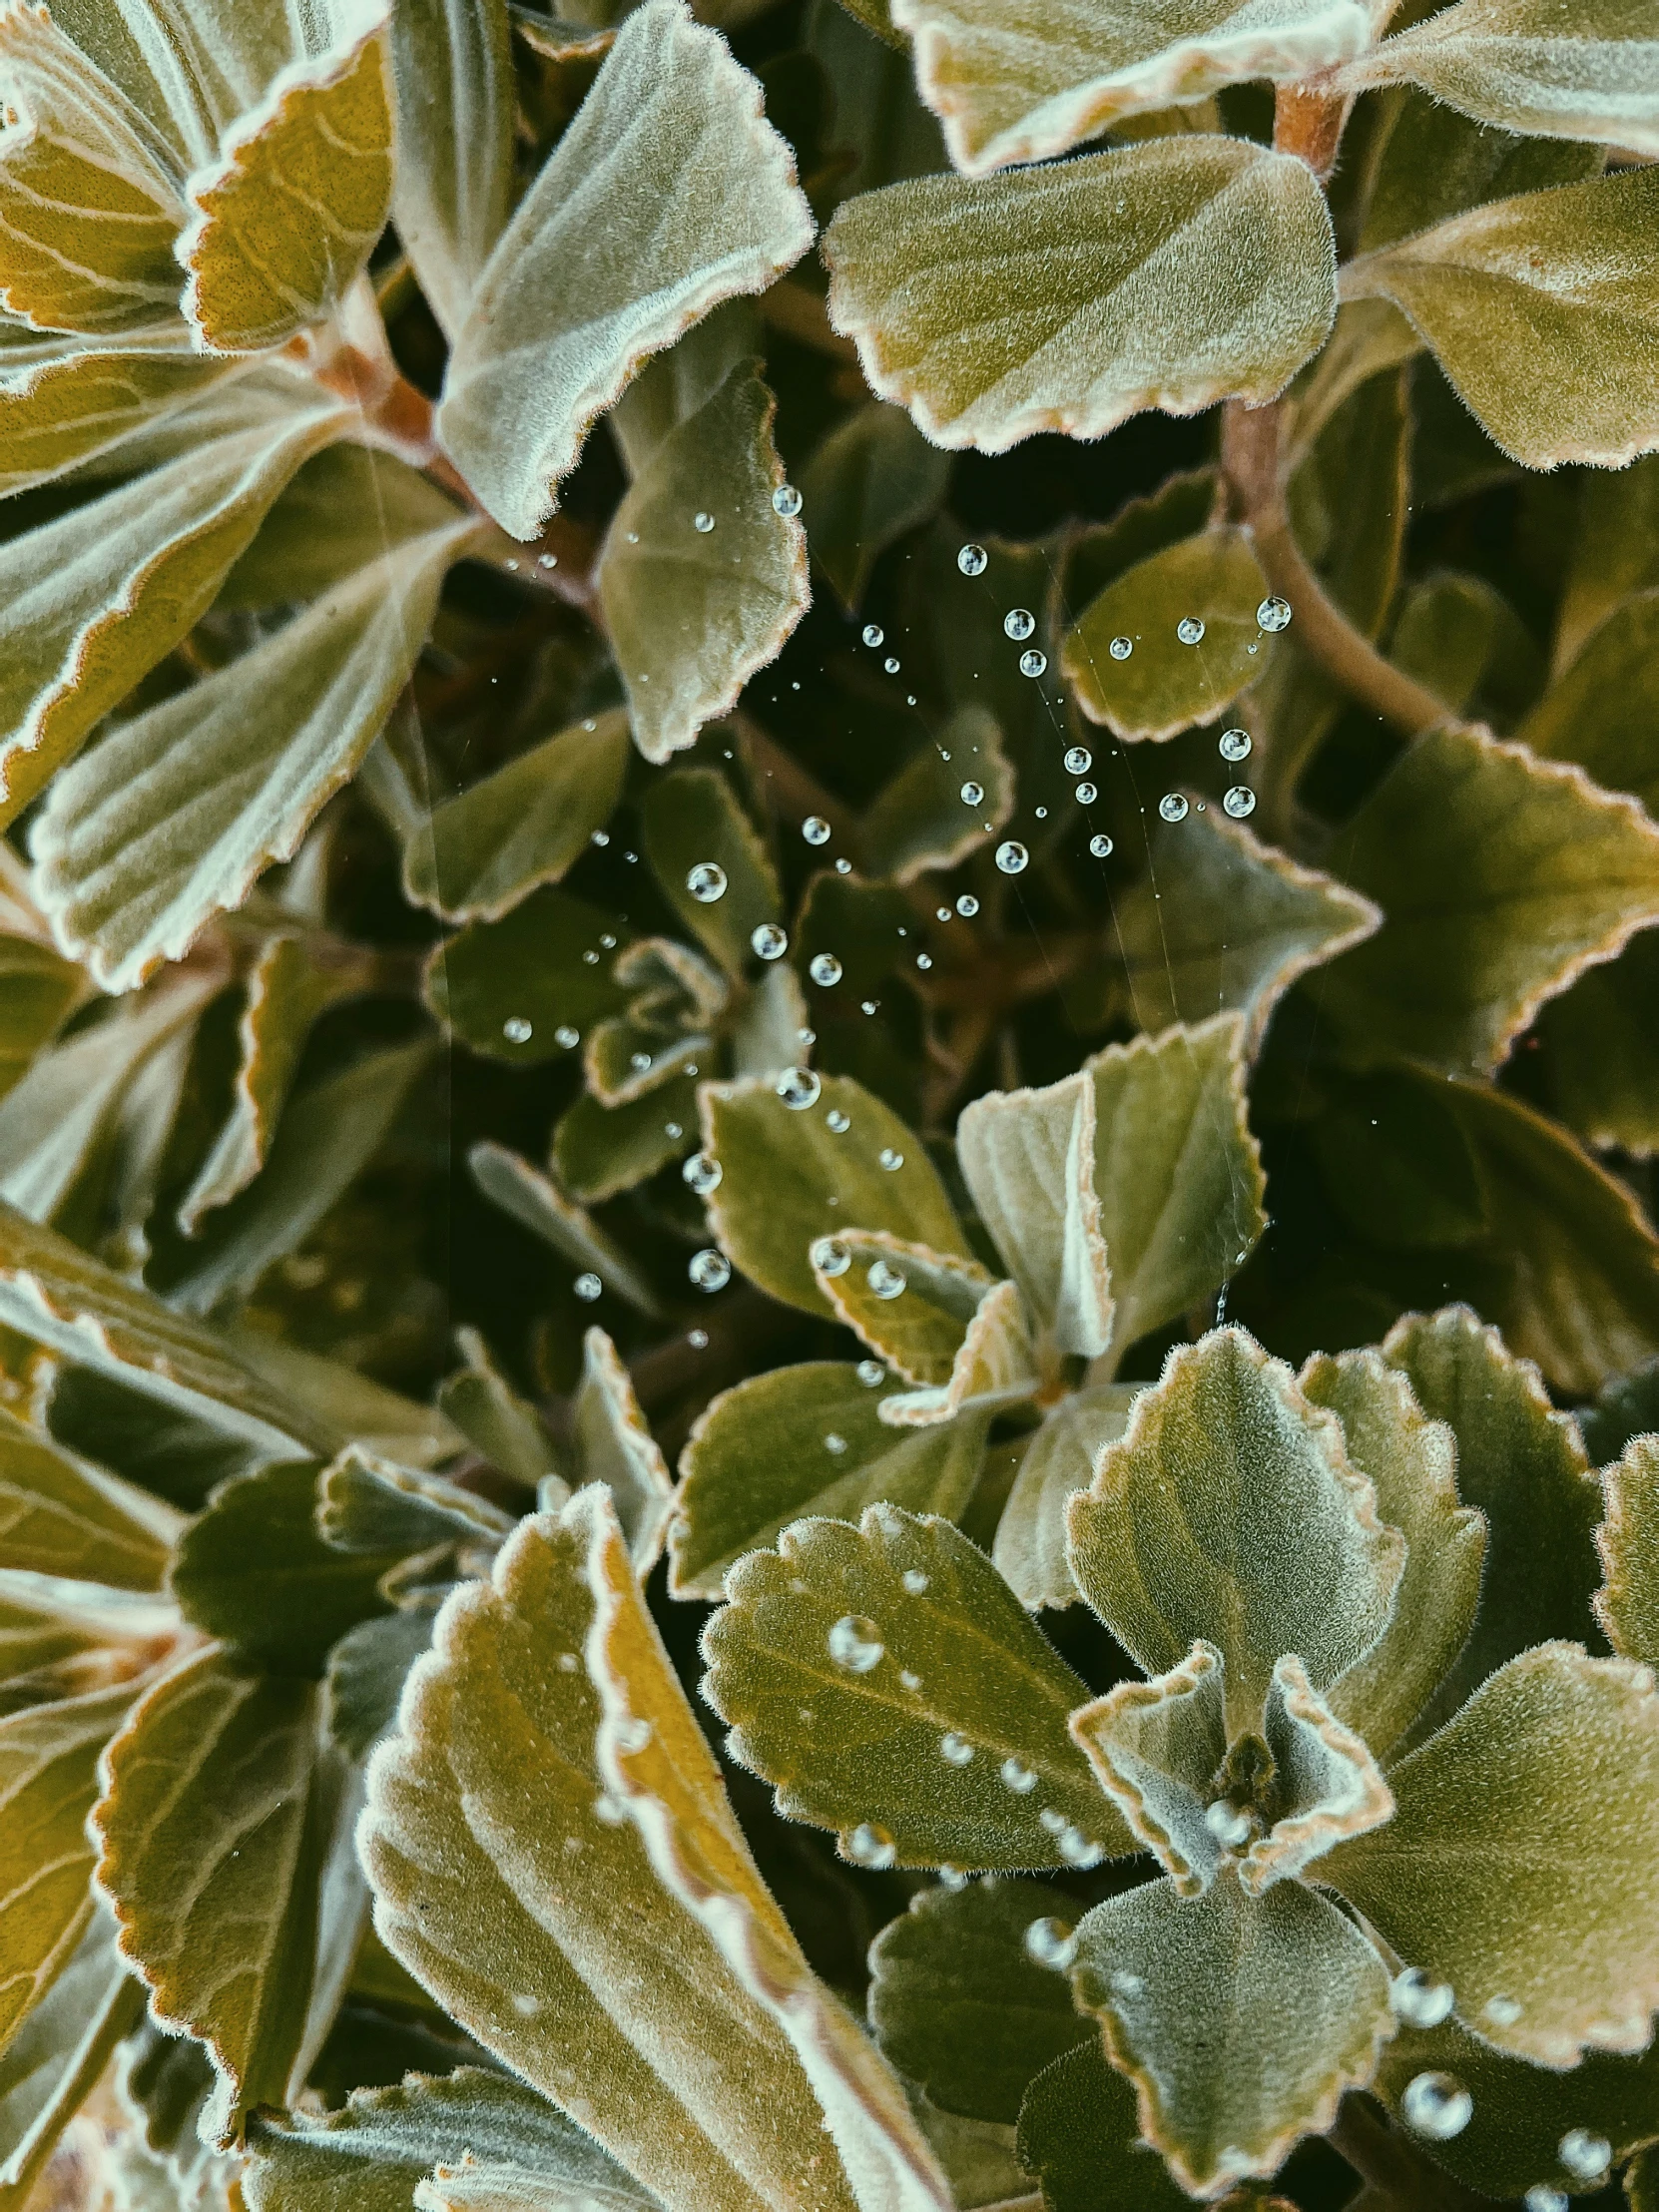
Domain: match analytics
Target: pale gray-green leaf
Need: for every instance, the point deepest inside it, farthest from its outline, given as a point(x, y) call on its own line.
point(1030, 1545)
point(1166, 685)
point(874, 478)
point(537, 1201)
point(920, 820)
point(452, 76)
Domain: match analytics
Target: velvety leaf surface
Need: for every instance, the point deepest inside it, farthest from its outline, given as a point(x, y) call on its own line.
point(920, 1332)
point(871, 1743)
point(1502, 877)
point(1599, 710)
point(1156, 1748)
point(1079, 2135)
point(367, 1671)
point(693, 612)
point(365, 1503)
point(54, 2059)
point(788, 1179)
point(1020, 84)
point(1166, 685)
point(760, 1457)
point(690, 820)
point(995, 1365)
point(1531, 1896)
point(612, 1444)
point(1432, 163)
point(699, 205)
point(495, 1419)
point(38, 987)
point(918, 821)
point(1627, 1604)
point(536, 1201)
point(62, 1516)
point(1285, 1971)
point(452, 79)
point(873, 479)
point(1183, 1532)
point(63, 403)
point(344, 510)
point(1541, 309)
point(959, 2004)
point(528, 967)
point(1059, 1461)
point(1003, 307)
point(600, 1150)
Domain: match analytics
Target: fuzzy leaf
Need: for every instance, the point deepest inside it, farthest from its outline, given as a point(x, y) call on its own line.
point(479, 855)
point(692, 817)
point(1413, 1463)
point(1599, 711)
point(538, 1204)
point(1532, 1902)
point(284, 218)
point(365, 1675)
point(1432, 163)
point(959, 2004)
point(496, 1421)
point(53, 2061)
point(91, 602)
point(1236, 923)
point(368, 1504)
point(600, 1150)
point(874, 1749)
point(788, 1179)
point(529, 966)
point(452, 74)
point(1166, 686)
point(1541, 311)
point(1079, 2135)
point(63, 1516)
point(613, 1446)
point(1156, 1748)
point(1325, 1784)
point(343, 511)
point(699, 205)
point(130, 862)
point(757, 1459)
point(1627, 1604)
point(1001, 307)
point(1502, 878)
point(1189, 1994)
point(1524, 66)
point(995, 1365)
point(919, 821)
point(1181, 1533)
point(38, 989)
point(1030, 1546)
point(1021, 84)
point(872, 480)
point(65, 404)
point(216, 1822)
point(692, 613)
point(1616, 554)
point(920, 1332)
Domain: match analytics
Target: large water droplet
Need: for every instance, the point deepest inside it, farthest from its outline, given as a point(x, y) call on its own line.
point(1230, 1825)
point(1274, 614)
point(567, 1036)
point(1011, 857)
point(1542, 2198)
point(890, 665)
point(875, 635)
point(1019, 624)
point(1050, 1942)
point(786, 500)
point(1032, 662)
point(710, 1270)
point(831, 1257)
point(703, 1172)
point(798, 1088)
point(967, 905)
point(1239, 801)
point(954, 1749)
point(871, 1374)
point(769, 941)
point(1079, 761)
point(890, 1158)
point(1418, 1999)
point(1233, 744)
point(588, 1287)
point(517, 1030)
point(702, 522)
point(855, 1644)
point(1121, 648)
point(816, 830)
point(973, 794)
point(1101, 847)
point(1586, 2156)
point(1086, 794)
point(870, 1845)
point(1173, 807)
point(973, 560)
point(1017, 1777)
point(1190, 630)
point(706, 882)
point(825, 969)
point(885, 1281)
point(1438, 2106)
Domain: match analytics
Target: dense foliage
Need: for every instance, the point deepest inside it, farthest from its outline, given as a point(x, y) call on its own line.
point(829, 1065)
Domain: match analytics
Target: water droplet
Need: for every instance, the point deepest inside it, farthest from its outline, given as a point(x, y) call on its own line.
point(547, 560)
point(972, 794)
point(1050, 1942)
point(1436, 2105)
point(1019, 624)
point(1121, 648)
point(1173, 807)
point(875, 635)
point(1101, 847)
point(890, 1159)
point(1502, 2012)
point(954, 1749)
point(786, 500)
point(1274, 614)
point(913, 1580)
point(967, 905)
point(871, 1374)
point(769, 941)
point(1420, 2001)
point(816, 830)
point(952, 1878)
point(1079, 761)
point(1086, 794)
point(1190, 630)
point(855, 1644)
point(672, 1131)
point(891, 665)
point(836, 1121)
point(592, 958)
point(885, 1281)
point(973, 560)
point(1079, 1850)
point(1233, 744)
point(1230, 1825)
point(1239, 801)
point(588, 1287)
point(798, 1088)
point(604, 937)
point(710, 1270)
point(835, 1444)
point(1017, 1778)
point(697, 1339)
point(1011, 857)
point(702, 522)
point(1585, 2156)
point(640, 1062)
point(1542, 2198)
point(567, 1037)
point(825, 969)
point(706, 882)
point(844, 867)
point(1051, 1820)
point(517, 1030)
point(870, 1845)
point(831, 1257)
point(1032, 662)
point(703, 1172)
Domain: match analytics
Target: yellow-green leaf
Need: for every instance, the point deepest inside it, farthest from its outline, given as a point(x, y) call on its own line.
point(874, 478)
point(1431, 163)
point(344, 510)
point(919, 820)
point(612, 1445)
point(63, 1516)
point(1170, 274)
point(496, 1421)
point(1627, 1604)
point(1615, 555)
point(692, 823)
point(1600, 709)
point(492, 978)
point(65, 405)
point(699, 205)
point(38, 990)
point(53, 2061)
point(453, 71)
point(918, 1329)
point(1167, 684)
point(368, 1503)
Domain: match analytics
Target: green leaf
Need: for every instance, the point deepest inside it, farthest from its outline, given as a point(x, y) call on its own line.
point(347, 1403)
point(508, 1749)
point(38, 990)
point(919, 821)
point(709, 210)
point(873, 479)
point(959, 2004)
point(1078, 2135)
point(1165, 686)
point(995, 1365)
point(89, 206)
point(368, 1504)
point(1411, 1463)
point(1464, 640)
point(1502, 878)
point(920, 1332)
point(693, 611)
point(343, 510)
point(530, 966)
point(921, 271)
point(1284, 1972)
point(479, 855)
point(1616, 553)
point(365, 1675)
point(1156, 1748)
point(760, 1457)
point(1599, 711)
point(284, 221)
point(217, 1816)
point(130, 863)
point(856, 1692)
point(1030, 1546)
point(788, 1178)
point(692, 819)
point(612, 1444)
point(452, 77)
point(496, 1421)
point(253, 1571)
point(1221, 921)
point(1520, 1864)
point(1540, 310)
point(91, 602)
point(536, 1201)
point(490, 2136)
point(57, 2056)
point(1432, 163)
point(1627, 1604)
point(1179, 1535)
point(1601, 1038)
point(600, 1150)
point(1022, 85)
point(66, 404)
point(63, 1516)
point(1522, 65)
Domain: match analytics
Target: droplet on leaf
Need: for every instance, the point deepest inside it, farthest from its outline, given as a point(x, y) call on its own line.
point(588, 1287)
point(1121, 648)
point(1274, 614)
point(831, 1257)
point(1239, 801)
point(871, 1374)
point(1190, 630)
point(1418, 1999)
point(885, 1281)
point(710, 1268)
point(954, 1749)
point(890, 1159)
point(706, 882)
point(1050, 1942)
point(798, 1088)
point(1017, 1777)
point(825, 969)
point(1019, 624)
point(875, 635)
point(769, 941)
point(1233, 744)
point(786, 500)
point(1032, 662)
point(973, 560)
point(703, 1172)
point(837, 1122)
point(1173, 807)
point(973, 794)
point(855, 1644)
point(816, 830)
point(870, 1845)
point(1437, 2106)
point(566, 1037)
point(517, 1030)
point(1586, 2156)
point(1011, 857)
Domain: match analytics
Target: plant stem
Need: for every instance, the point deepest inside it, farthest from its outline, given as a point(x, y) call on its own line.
point(1394, 2171)
point(1309, 123)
